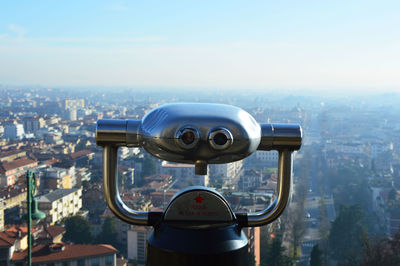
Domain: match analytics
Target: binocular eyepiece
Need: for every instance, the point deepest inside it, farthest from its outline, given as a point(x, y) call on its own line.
point(187, 137)
point(219, 138)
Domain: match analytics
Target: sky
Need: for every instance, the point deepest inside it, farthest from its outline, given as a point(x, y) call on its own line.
point(291, 44)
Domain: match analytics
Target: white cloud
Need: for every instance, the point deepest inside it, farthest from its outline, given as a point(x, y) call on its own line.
point(17, 30)
point(308, 65)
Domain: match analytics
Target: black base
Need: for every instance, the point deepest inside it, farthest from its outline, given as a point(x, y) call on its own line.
point(172, 246)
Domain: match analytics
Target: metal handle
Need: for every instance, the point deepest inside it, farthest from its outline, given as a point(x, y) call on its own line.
point(273, 211)
point(114, 202)
point(285, 138)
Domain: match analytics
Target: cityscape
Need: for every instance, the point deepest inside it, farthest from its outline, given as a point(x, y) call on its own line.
point(344, 208)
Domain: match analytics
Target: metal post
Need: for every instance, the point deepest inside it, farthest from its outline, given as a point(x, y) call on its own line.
point(33, 212)
point(29, 199)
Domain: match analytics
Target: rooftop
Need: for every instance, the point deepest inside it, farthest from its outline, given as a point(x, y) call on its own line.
point(15, 164)
point(51, 231)
point(9, 236)
point(80, 154)
point(45, 253)
point(12, 191)
point(56, 194)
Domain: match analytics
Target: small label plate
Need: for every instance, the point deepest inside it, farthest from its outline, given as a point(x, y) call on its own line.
point(199, 205)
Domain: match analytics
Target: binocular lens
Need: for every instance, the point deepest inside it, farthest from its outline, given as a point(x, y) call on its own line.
point(220, 139)
point(188, 137)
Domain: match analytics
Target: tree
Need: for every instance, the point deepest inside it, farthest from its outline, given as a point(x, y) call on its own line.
point(293, 219)
point(273, 254)
point(108, 233)
point(350, 186)
point(316, 257)
point(251, 261)
point(149, 167)
point(345, 238)
point(384, 251)
point(78, 230)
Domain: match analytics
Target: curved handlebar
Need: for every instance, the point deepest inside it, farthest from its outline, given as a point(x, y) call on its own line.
point(114, 202)
point(273, 211)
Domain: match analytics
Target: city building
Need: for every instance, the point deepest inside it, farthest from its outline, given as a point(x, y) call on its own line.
point(12, 198)
point(11, 240)
point(251, 179)
point(11, 171)
point(14, 131)
point(184, 174)
point(81, 158)
point(31, 124)
point(9, 156)
point(59, 254)
point(254, 236)
point(267, 156)
point(137, 237)
point(49, 250)
point(82, 175)
point(72, 106)
point(227, 170)
point(54, 137)
point(378, 147)
point(59, 204)
point(72, 114)
point(54, 178)
point(1, 215)
point(14, 240)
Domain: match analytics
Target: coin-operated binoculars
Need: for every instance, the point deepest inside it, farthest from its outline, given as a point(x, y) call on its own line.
point(198, 227)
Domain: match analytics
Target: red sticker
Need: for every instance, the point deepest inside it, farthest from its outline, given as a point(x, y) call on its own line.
point(199, 199)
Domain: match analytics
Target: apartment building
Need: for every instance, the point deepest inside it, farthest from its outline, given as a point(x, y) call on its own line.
point(137, 237)
point(11, 171)
point(59, 204)
point(12, 197)
point(55, 178)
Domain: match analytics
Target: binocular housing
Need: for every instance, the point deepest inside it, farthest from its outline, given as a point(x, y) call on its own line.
point(198, 134)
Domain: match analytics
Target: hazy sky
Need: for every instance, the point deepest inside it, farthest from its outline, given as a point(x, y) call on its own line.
point(221, 44)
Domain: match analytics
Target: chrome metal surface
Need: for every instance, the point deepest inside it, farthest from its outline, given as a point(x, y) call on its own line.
point(111, 131)
point(132, 133)
point(273, 211)
point(199, 204)
point(200, 167)
point(159, 127)
point(280, 136)
point(113, 199)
